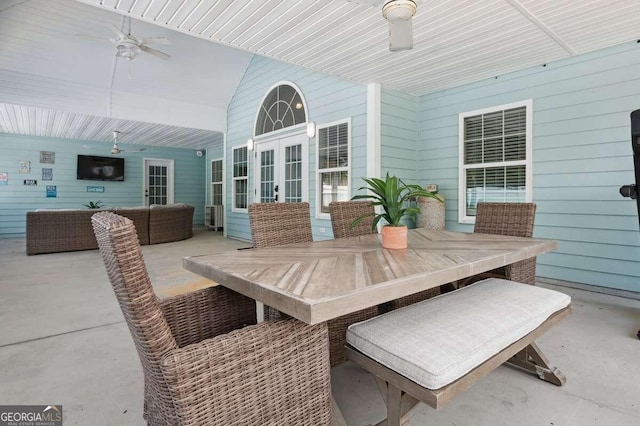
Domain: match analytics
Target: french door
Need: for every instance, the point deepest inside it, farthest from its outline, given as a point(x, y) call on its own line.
point(281, 167)
point(158, 181)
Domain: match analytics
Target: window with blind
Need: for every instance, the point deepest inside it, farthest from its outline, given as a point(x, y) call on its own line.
point(334, 142)
point(240, 179)
point(495, 157)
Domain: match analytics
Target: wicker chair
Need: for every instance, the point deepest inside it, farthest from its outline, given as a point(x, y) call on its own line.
point(200, 366)
point(513, 219)
point(342, 215)
point(275, 224)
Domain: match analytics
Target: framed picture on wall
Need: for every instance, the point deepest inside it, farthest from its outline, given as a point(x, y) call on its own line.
point(48, 157)
point(52, 191)
point(4, 178)
point(24, 166)
point(47, 174)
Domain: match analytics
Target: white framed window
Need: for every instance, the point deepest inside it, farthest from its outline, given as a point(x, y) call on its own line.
point(334, 164)
point(216, 181)
point(281, 108)
point(495, 156)
point(240, 179)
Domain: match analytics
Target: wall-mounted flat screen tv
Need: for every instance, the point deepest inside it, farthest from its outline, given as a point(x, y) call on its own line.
point(92, 167)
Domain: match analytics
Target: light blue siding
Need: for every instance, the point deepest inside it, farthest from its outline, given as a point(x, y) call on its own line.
point(398, 135)
point(328, 99)
point(16, 199)
point(581, 153)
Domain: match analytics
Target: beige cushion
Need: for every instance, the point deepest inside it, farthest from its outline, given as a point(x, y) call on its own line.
point(131, 208)
point(167, 206)
point(437, 341)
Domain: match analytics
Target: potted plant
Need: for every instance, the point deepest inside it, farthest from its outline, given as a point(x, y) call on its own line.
point(97, 205)
point(394, 196)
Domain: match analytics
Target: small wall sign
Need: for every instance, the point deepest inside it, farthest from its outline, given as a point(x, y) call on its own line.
point(47, 174)
point(4, 178)
point(48, 157)
point(95, 188)
point(30, 182)
point(24, 166)
point(52, 191)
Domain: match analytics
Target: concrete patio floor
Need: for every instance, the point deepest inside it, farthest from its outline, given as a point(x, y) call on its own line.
point(63, 340)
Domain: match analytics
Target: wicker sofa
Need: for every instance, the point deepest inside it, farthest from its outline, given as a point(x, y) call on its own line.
point(53, 231)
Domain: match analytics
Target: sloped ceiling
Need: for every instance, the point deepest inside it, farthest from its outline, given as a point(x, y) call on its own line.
point(49, 75)
point(45, 66)
point(455, 41)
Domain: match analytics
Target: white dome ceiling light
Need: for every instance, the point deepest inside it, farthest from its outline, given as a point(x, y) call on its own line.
point(399, 14)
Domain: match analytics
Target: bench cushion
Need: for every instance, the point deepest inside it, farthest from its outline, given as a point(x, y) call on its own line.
point(437, 341)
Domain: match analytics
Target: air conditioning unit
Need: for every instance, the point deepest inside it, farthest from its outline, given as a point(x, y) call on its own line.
point(213, 216)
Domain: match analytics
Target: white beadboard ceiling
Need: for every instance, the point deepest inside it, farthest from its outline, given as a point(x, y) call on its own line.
point(455, 42)
point(50, 75)
point(32, 121)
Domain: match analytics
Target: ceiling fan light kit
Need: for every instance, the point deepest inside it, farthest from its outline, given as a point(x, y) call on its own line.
point(127, 50)
point(399, 14)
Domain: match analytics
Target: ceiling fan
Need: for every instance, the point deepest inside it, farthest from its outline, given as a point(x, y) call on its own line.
point(399, 14)
point(115, 150)
point(129, 46)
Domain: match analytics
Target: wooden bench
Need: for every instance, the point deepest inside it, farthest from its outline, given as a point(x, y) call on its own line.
point(435, 349)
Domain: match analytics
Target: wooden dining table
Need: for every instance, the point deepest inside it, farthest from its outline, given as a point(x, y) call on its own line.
point(322, 280)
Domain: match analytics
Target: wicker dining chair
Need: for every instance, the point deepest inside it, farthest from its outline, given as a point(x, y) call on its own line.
point(275, 224)
point(204, 360)
point(343, 214)
point(512, 219)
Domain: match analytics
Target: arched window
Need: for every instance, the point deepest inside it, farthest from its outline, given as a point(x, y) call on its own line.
point(282, 107)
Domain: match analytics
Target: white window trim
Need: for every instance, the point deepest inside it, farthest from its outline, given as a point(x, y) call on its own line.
point(234, 179)
point(528, 162)
point(171, 182)
point(281, 133)
point(211, 182)
point(282, 144)
point(319, 171)
point(283, 130)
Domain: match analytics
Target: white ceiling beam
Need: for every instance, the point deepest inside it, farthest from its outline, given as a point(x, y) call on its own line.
point(538, 23)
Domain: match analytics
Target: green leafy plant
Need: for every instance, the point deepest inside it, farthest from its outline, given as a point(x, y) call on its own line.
point(394, 196)
point(97, 205)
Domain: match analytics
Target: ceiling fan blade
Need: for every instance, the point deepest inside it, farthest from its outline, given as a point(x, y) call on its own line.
point(155, 52)
point(117, 31)
point(156, 40)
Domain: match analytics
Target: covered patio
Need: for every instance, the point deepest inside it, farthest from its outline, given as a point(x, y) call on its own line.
point(75, 348)
point(219, 104)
